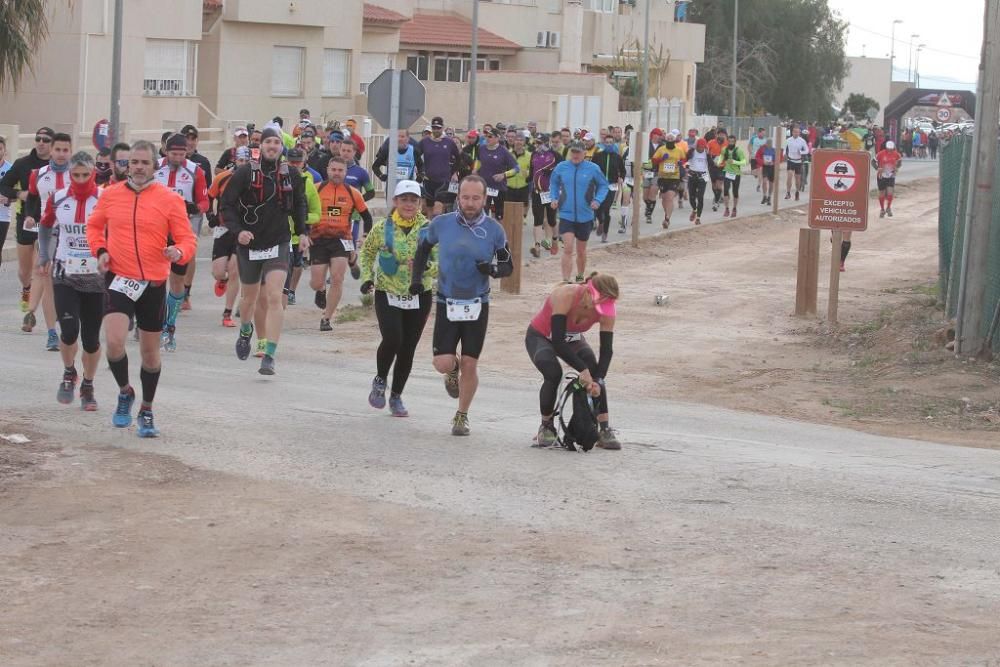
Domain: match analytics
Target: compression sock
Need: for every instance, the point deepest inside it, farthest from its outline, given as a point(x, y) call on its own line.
point(119, 368)
point(149, 381)
point(246, 329)
point(650, 206)
point(881, 202)
point(174, 302)
point(270, 347)
point(845, 247)
point(888, 201)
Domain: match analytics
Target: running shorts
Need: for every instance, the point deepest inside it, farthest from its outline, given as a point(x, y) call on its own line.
point(448, 335)
point(796, 167)
point(669, 185)
point(323, 250)
point(769, 171)
point(430, 190)
point(581, 230)
point(253, 271)
point(518, 194)
point(224, 246)
point(24, 236)
point(884, 183)
point(149, 310)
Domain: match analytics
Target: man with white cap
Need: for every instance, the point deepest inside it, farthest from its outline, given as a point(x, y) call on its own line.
point(241, 137)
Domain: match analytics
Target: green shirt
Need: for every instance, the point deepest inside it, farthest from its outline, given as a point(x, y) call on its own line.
point(520, 179)
point(315, 209)
point(405, 247)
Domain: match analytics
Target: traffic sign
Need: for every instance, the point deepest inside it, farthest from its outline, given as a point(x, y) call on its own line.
point(412, 98)
point(944, 114)
point(838, 196)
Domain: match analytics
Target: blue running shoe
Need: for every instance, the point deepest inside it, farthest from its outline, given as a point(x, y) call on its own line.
point(52, 344)
point(146, 427)
point(170, 344)
point(376, 398)
point(123, 413)
point(396, 406)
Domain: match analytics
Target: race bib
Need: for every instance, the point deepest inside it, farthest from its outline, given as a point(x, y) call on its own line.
point(613, 187)
point(83, 265)
point(574, 337)
point(269, 253)
point(403, 173)
point(648, 174)
point(630, 181)
point(348, 244)
point(768, 160)
point(888, 173)
point(730, 176)
point(219, 232)
point(131, 288)
point(492, 192)
point(408, 302)
point(668, 167)
point(463, 310)
point(545, 197)
point(453, 187)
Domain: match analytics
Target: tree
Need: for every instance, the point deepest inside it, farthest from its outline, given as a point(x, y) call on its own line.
point(790, 57)
point(859, 104)
point(24, 26)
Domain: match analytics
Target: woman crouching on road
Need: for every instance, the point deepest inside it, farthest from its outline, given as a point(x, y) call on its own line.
point(386, 264)
point(556, 332)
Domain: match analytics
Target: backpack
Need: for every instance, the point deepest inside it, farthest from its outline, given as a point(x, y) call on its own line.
point(582, 427)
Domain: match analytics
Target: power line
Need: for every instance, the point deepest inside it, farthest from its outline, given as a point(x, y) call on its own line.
point(926, 48)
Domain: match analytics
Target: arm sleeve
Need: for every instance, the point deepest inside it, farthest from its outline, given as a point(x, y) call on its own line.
point(45, 233)
point(33, 204)
point(380, 161)
point(180, 228)
point(366, 220)
point(8, 185)
point(563, 349)
point(200, 190)
point(96, 223)
point(606, 352)
point(300, 204)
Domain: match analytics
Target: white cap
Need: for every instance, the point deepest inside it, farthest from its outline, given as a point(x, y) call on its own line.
point(889, 145)
point(588, 137)
point(407, 188)
point(675, 132)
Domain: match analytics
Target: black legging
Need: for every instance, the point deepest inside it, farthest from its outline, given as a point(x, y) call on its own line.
point(543, 356)
point(79, 315)
point(401, 330)
point(495, 204)
point(542, 213)
point(696, 193)
point(734, 184)
point(604, 213)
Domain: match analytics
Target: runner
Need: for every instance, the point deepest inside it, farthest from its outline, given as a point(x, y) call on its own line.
point(256, 206)
point(440, 166)
point(716, 144)
point(667, 161)
point(77, 287)
point(795, 153)
point(649, 188)
point(408, 159)
point(128, 232)
point(698, 162)
point(224, 242)
point(577, 189)
point(119, 163)
point(757, 142)
point(386, 258)
point(297, 159)
point(241, 137)
point(331, 241)
point(611, 165)
point(187, 179)
point(767, 158)
point(495, 165)
point(102, 167)
point(556, 332)
point(518, 185)
point(733, 159)
point(472, 248)
point(5, 166)
point(685, 147)
point(359, 179)
point(887, 163)
point(543, 161)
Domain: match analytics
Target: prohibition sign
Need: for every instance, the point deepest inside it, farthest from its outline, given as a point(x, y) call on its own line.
point(840, 176)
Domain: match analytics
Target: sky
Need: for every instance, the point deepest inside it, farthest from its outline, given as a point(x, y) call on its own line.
point(952, 32)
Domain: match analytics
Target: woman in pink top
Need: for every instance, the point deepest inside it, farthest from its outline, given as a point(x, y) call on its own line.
point(556, 332)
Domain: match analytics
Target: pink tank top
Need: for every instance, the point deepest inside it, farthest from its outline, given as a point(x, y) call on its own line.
point(542, 321)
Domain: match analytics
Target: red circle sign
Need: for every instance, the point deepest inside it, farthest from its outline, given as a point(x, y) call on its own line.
point(944, 114)
point(840, 176)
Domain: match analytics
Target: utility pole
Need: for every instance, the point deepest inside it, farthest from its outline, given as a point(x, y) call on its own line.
point(969, 339)
point(732, 102)
point(475, 65)
point(909, 58)
point(116, 74)
point(637, 151)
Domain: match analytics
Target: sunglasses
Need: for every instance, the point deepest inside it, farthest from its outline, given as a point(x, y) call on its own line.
point(121, 163)
point(44, 140)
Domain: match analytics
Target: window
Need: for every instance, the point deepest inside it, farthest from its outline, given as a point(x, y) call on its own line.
point(373, 64)
point(606, 6)
point(455, 67)
point(336, 72)
point(417, 63)
point(286, 71)
point(170, 67)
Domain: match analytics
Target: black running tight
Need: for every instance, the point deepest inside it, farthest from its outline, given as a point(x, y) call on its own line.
point(542, 213)
point(696, 193)
point(543, 356)
point(401, 330)
point(79, 315)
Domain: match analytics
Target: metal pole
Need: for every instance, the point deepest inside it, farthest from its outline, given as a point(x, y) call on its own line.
point(393, 141)
point(909, 58)
point(732, 108)
point(116, 74)
point(638, 151)
point(475, 65)
point(969, 338)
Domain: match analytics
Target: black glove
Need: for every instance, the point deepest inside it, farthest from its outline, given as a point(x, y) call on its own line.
point(416, 288)
point(213, 219)
point(485, 268)
point(192, 209)
point(367, 286)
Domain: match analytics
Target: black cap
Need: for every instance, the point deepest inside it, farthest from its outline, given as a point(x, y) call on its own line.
point(494, 132)
point(296, 155)
point(46, 131)
point(577, 146)
point(437, 121)
point(176, 141)
point(304, 111)
point(279, 120)
point(166, 135)
point(190, 131)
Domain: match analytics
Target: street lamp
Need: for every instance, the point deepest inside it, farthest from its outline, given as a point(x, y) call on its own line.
point(732, 99)
point(916, 66)
point(909, 58)
point(892, 49)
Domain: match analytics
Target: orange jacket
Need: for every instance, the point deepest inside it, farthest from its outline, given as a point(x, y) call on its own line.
point(132, 227)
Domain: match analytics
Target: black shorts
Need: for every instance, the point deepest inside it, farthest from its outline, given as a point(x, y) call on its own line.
point(795, 167)
point(254, 271)
point(448, 334)
point(581, 230)
point(24, 236)
point(323, 250)
point(753, 164)
point(224, 246)
point(669, 185)
point(768, 170)
point(884, 183)
point(518, 194)
point(430, 190)
point(715, 173)
point(149, 310)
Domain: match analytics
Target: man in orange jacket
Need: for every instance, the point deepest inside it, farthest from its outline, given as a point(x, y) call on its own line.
point(128, 232)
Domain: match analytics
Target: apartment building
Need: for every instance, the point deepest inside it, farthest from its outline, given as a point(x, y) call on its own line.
point(215, 62)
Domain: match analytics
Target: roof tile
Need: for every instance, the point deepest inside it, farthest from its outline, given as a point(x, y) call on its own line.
point(448, 30)
point(377, 14)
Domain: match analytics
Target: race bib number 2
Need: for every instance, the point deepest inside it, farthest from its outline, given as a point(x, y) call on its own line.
point(130, 287)
point(75, 266)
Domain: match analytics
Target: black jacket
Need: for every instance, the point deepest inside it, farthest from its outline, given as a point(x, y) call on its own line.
point(205, 165)
point(265, 210)
point(610, 164)
point(16, 179)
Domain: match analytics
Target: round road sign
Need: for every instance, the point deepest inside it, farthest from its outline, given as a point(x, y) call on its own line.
point(944, 114)
point(840, 176)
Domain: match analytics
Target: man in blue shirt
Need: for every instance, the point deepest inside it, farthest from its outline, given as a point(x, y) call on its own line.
point(577, 188)
point(472, 248)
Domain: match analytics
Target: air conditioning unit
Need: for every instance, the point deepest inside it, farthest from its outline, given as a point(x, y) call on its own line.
point(553, 40)
point(542, 40)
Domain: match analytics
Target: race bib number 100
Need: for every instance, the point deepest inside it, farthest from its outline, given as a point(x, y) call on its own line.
point(131, 288)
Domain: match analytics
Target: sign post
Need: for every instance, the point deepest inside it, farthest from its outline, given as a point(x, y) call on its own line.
point(513, 225)
point(838, 201)
point(396, 99)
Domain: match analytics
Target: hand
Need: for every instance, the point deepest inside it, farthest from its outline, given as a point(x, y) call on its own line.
point(416, 288)
point(103, 261)
point(499, 178)
point(4, 201)
point(594, 389)
point(594, 205)
point(23, 195)
point(454, 178)
point(192, 209)
point(484, 268)
point(367, 287)
point(586, 379)
point(213, 219)
point(554, 205)
point(304, 242)
point(244, 238)
point(173, 253)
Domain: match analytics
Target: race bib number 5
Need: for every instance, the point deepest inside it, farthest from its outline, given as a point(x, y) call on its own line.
point(460, 310)
point(131, 288)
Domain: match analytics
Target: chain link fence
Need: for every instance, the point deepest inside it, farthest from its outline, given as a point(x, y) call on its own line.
point(956, 158)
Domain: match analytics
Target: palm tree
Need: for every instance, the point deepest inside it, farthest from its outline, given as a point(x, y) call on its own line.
point(24, 25)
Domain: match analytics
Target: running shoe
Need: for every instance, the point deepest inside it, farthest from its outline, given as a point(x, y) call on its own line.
point(621, 228)
point(52, 342)
point(261, 348)
point(243, 344)
point(535, 252)
point(666, 223)
point(147, 429)
point(579, 278)
point(763, 200)
point(604, 237)
point(546, 244)
point(695, 215)
point(266, 365)
point(460, 424)
point(554, 248)
point(396, 406)
point(67, 387)
point(715, 206)
point(726, 213)
point(649, 218)
point(608, 439)
point(734, 212)
point(324, 324)
point(25, 297)
point(168, 341)
point(29, 322)
point(227, 320)
point(451, 383)
point(87, 401)
point(291, 298)
point(220, 287)
point(788, 195)
point(697, 220)
point(355, 271)
point(546, 436)
point(376, 398)
point(881, 213)
point(320, 299)
point(796, 195)
point(123, 413)
point(888, 212)
point(186, 304)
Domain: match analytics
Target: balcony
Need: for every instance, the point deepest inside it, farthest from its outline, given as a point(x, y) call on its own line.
point(307, 13)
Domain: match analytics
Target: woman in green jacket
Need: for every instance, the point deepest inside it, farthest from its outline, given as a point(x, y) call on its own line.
point(732, 159)
point(386, 264)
